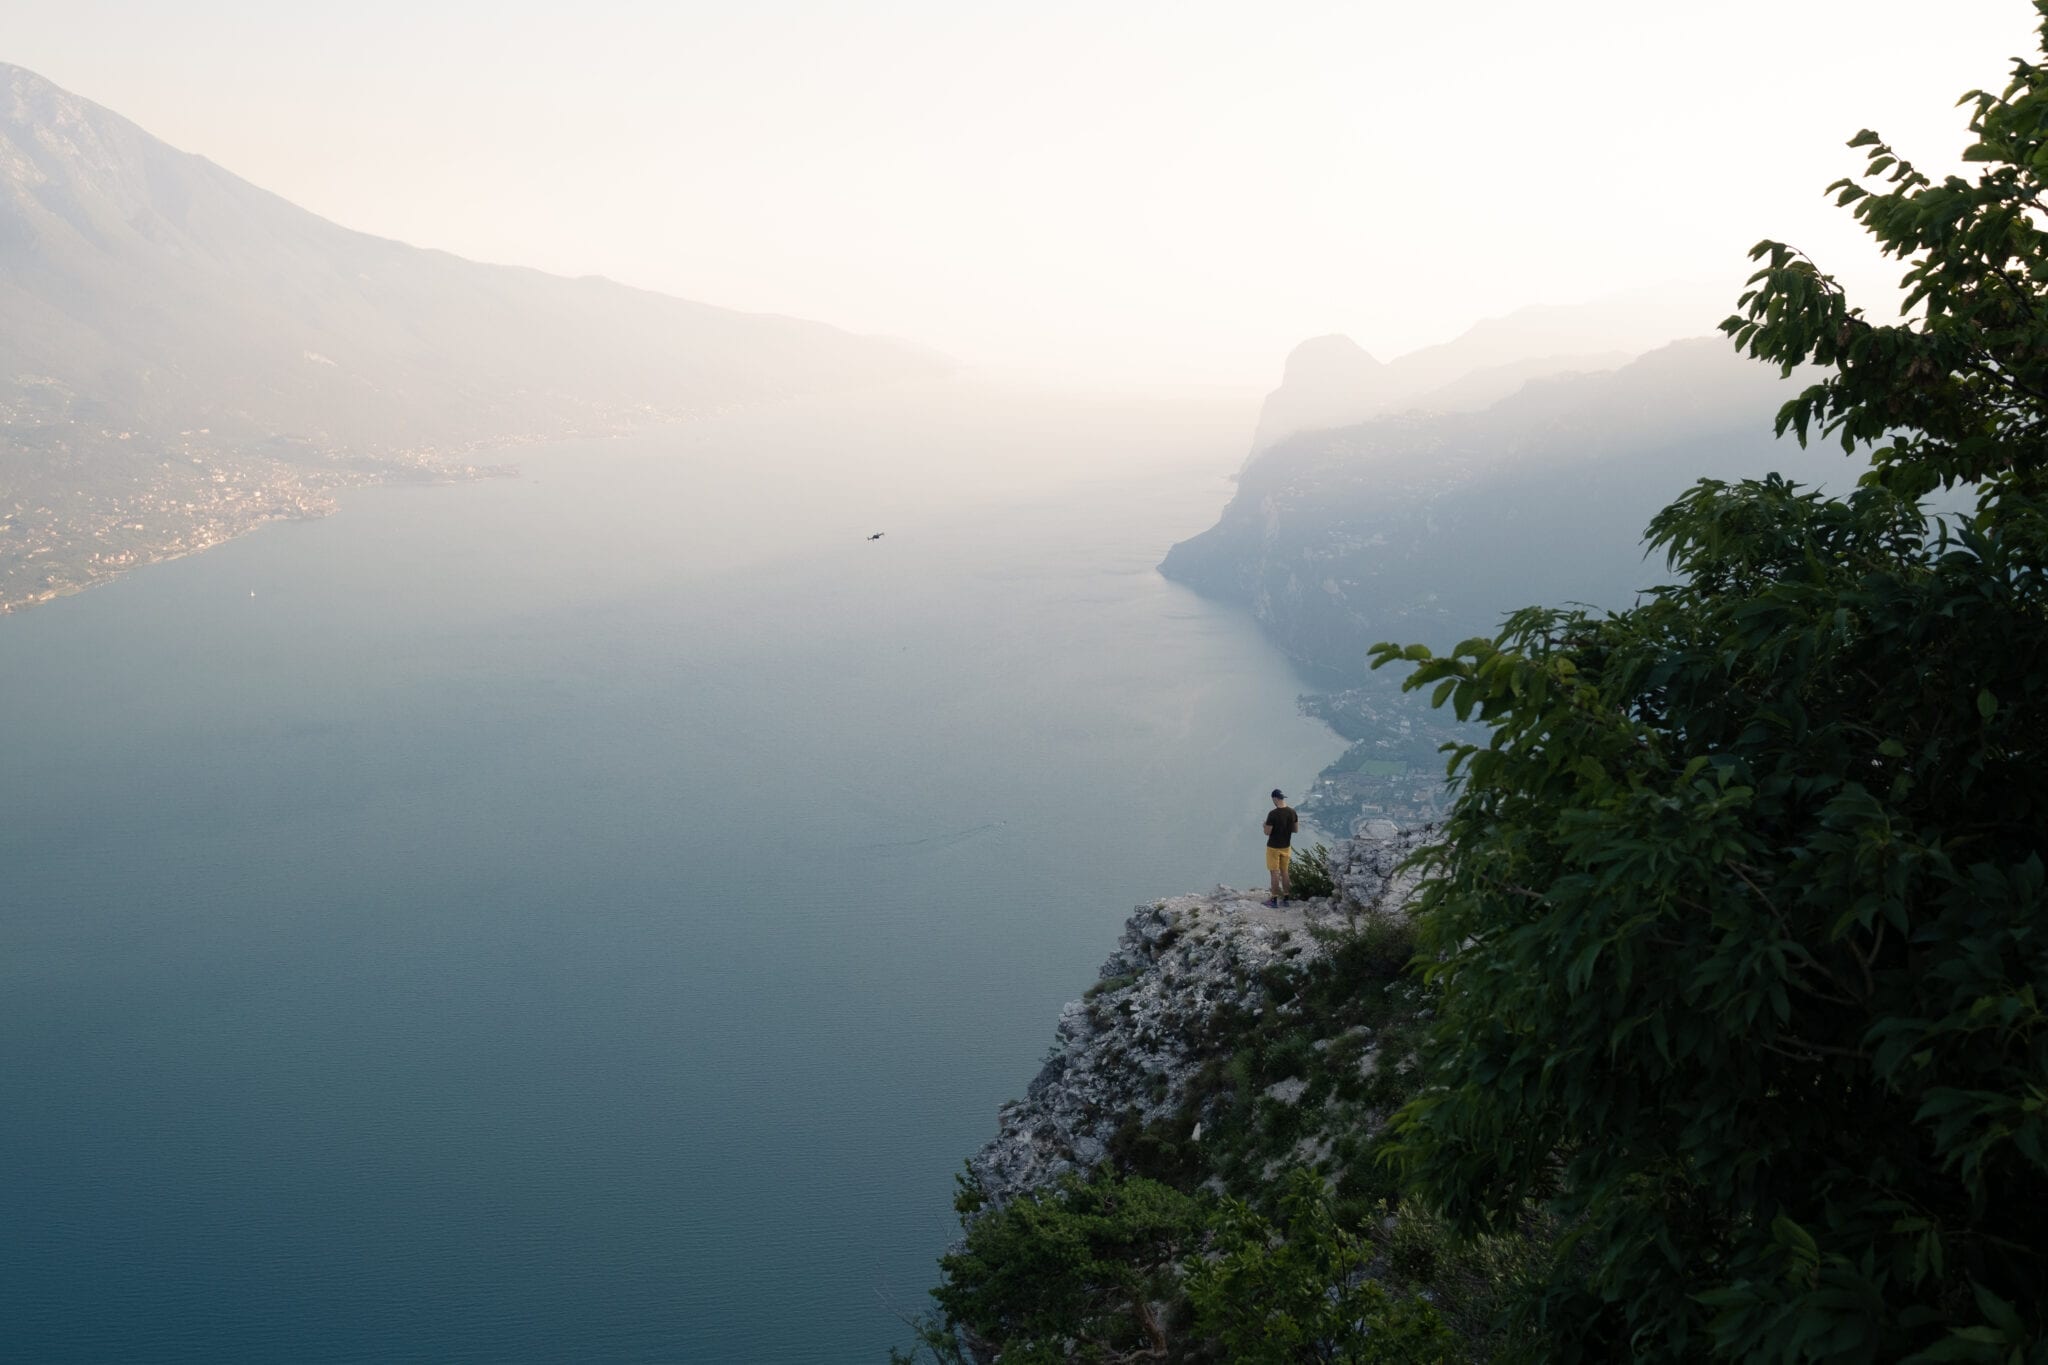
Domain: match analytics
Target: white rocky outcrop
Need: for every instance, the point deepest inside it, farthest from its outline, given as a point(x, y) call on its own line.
point(1153, 1018)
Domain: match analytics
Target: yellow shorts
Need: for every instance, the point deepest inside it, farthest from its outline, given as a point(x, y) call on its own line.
point(1277, 858)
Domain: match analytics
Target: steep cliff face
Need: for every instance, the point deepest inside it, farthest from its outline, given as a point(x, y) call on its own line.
point(1203, 1158)
point(1432, 527)
point(1145, 1067)
point(1327, 382)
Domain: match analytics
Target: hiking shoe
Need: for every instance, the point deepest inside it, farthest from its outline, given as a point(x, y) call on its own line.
point(1272, 903)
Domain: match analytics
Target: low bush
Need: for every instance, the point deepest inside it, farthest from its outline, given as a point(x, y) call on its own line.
point(1309, 874)
point(1125, 1268)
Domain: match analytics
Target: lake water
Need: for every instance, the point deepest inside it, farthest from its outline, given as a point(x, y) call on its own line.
point(589, 916)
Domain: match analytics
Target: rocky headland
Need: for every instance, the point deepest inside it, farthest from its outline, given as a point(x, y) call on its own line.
point(1138, 1054)
point(1202, 1160)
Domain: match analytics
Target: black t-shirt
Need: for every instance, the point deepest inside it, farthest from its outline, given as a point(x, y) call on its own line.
point(1283, 822)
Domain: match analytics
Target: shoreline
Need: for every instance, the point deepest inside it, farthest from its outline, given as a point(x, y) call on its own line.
point(281, 492)
point(312, 502)
point(275, 489)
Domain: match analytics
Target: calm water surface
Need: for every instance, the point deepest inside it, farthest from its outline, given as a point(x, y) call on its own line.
point(588, 916)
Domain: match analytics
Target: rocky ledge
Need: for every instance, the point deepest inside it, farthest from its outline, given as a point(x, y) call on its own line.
point(1133, 1047)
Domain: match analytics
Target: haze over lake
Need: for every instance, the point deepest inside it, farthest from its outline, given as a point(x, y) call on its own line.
point(588, 915)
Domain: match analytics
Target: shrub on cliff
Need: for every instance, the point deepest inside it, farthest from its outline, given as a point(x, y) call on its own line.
point(1740, 919)
point(1298, 1291)
point(1118, 1268)
point(1089, 1269)
point(1086, 1271)
point(1310, 877)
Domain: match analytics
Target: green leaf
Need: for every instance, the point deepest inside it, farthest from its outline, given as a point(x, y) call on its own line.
point(1734, 940)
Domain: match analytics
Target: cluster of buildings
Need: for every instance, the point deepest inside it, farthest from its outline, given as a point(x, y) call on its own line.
point(80, 504)
point(1394, 769)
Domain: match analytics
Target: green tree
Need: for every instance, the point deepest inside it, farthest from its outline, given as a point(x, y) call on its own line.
point(1298, 1292)
point(1118, 1269)
point(1739, 916)
point(1086, 1271)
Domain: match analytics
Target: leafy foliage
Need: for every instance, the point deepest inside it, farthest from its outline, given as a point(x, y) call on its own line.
point(1740, 918)
point(1308, 876)
point(1122, 1268)
point(1957, 393)
point(1299, 1292)
point(1060, 1274)
point(1075, 1273)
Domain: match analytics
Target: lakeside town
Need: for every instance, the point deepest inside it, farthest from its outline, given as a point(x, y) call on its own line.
point(83, 501)
point(82, 505)
point(1394, 769)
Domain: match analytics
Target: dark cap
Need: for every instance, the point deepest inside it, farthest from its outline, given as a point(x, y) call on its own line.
point(1279, 795)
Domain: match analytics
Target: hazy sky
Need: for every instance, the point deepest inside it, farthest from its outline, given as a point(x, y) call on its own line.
point(1131, 191)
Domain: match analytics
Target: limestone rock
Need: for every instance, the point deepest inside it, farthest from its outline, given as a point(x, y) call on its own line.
point(1137, 1040)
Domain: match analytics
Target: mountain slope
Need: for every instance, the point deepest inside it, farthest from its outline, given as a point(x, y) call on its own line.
point(158, 312)
point(154, 282)
point(1331, 382)
point(1432, 527)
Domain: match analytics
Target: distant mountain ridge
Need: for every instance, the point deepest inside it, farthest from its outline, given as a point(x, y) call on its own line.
point(1331, 381)
point(156, 310)
point(151, 279)
point(1432, 526)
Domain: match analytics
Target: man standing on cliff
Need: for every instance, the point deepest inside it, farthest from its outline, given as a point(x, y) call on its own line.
point(1280, 826)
